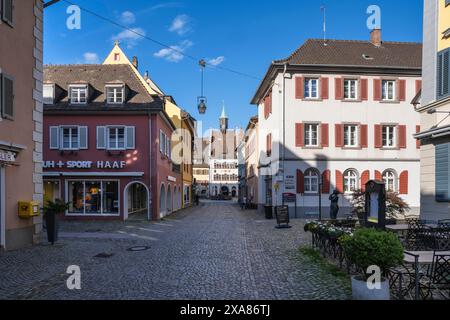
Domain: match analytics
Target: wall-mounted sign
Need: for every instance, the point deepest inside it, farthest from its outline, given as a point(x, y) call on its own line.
point(84, 164)
point(7, 156)
point(290, 183)
point(171, 179)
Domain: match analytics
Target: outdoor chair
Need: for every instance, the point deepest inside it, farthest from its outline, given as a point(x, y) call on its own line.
point(418, 236)
point(438, 277)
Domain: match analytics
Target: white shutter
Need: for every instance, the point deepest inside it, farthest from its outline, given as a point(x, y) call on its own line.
point(101, 137)
point(54, 138)
point(83, 136)
point(161, 142)
point(131, 138)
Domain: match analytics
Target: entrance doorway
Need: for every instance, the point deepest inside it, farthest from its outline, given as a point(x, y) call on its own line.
point(225, 191)
point(169, 200)
point(2, 207)
point(137, 201)
point(234, 192)
point(162, 202)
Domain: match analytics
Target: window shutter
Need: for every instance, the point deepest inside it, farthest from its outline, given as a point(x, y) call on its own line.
point(404, 177)
point(401, 90)
point(7, 88)
point(418, 86)
point(101, 137)
point(54, 138)
point(270, 102)
point(324, 135)
point(365, 177)
point(364, 136)
point(418, 142)
point(377, 89)
point(299, 135)
point(378, 136)
point(378, 175)
point(300, 182)
point(8, 11)
point(339, 181)
point(339, 135)
point(269, 145)
point(83, 136)
point(443, 74)
point(131, 138)
point(443, 172)
point(364, 90)
point(299, 87)
point(402, 137)
point(339, 88)
point(161, 142)
point(324, 87)
point(326, 182)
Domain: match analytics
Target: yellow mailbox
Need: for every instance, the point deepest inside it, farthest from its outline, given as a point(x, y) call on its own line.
point(28, 209)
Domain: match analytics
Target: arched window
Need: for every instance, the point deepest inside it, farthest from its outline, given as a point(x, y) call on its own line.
point(311, 181)
point(390, 180)
point(350, 181)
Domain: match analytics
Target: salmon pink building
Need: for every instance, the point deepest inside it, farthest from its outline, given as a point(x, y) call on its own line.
point(107, 144)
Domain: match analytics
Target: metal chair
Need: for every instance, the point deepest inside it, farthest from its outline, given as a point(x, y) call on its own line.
point(438, 278)
point(417, 236)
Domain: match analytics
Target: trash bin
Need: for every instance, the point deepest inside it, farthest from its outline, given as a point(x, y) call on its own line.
point(268, 210)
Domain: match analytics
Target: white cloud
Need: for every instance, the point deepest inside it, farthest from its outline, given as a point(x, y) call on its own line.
point(181, 25)
point(216, 61)
point(127, 17)
point(130, 37)
point(174, 53)
point(91, 57)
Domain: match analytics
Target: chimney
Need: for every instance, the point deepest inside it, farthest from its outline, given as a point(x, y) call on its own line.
point(135, 62)
point(375, 37)
point(146, 76)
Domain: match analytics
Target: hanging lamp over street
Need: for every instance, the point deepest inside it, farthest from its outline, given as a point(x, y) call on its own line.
point(201, 101)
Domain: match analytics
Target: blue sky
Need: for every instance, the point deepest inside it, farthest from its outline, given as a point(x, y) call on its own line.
point(243, 35)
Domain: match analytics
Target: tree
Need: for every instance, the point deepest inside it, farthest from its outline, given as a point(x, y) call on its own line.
point(395, 206)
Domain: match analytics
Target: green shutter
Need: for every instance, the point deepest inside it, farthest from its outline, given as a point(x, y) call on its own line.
point(443, 74)
point(7, 88)
point(7, 11)
point(443, 172)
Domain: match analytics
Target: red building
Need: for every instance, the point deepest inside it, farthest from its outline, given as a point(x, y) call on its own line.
point(106, 144)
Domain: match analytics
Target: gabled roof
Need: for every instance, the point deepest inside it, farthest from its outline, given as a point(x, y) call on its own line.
point(357, 53)
point(98, 76)
point(347, 56)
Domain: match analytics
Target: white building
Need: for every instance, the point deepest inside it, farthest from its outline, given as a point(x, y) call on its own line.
point(339, 112)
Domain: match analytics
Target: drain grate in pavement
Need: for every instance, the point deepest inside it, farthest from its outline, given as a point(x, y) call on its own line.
point(138, 248)
point(104, 255)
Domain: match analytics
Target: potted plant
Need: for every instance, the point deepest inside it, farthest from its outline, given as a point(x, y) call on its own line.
point(367, 248)
point(51, 211)
point(395, 206)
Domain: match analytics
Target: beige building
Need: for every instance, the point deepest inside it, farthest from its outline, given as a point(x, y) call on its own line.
point(20, 120)
point(251, 161)
point(434, 107)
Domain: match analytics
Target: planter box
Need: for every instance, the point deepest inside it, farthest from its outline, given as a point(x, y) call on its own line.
point(360, 291)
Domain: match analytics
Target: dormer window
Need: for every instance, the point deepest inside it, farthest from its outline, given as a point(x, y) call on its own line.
point(49, 94)
point(115, 94)
point(78, 94)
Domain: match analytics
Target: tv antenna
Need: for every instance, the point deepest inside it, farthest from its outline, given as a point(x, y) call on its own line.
point(324, 12)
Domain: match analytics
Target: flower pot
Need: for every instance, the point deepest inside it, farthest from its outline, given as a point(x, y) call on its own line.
point(361, 291)
point(51, 221)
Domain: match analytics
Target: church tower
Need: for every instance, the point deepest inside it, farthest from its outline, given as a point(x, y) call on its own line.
point(223, 120)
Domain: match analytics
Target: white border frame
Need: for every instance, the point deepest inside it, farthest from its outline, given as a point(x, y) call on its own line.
point(66, 197)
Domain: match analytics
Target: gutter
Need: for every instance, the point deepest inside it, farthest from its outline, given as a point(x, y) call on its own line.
point(434, 133)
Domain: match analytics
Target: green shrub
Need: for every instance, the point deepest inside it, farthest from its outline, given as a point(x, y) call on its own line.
point(56, 207)
point(371, 247)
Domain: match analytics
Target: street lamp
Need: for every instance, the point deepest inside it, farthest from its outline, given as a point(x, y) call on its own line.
point(201, 101)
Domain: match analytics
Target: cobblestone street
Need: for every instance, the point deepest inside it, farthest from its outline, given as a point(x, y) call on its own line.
point(215, 251)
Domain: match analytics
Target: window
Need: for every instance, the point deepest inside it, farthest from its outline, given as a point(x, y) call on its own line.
point(351, 136)
point(388, 90)
point(443, 72)
point(6, 97)
point(69, 138)
point(390, 180)
point(350, 181)
point(78, 94)
point(165, 144)
point(7, 9)
point(311, 135)
point(311, 88)
point(389, 136)
point(116, 138)
point(48, 94)
point(115, 94)
point(93, 198)
point(442, 175)
point(311, 181)
point(350, 89)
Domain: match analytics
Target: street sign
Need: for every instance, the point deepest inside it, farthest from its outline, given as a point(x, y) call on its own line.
point(289, 197)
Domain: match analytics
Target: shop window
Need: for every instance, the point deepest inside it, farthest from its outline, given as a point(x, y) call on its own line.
point(93, 197)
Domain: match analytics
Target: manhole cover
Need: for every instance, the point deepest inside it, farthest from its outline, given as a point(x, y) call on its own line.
point(138, 248)
point(104, 255)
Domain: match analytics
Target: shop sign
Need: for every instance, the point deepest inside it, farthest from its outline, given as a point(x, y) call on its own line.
point(84, 164)
point(7, 156)
point(171, 179)
point(290, 183)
